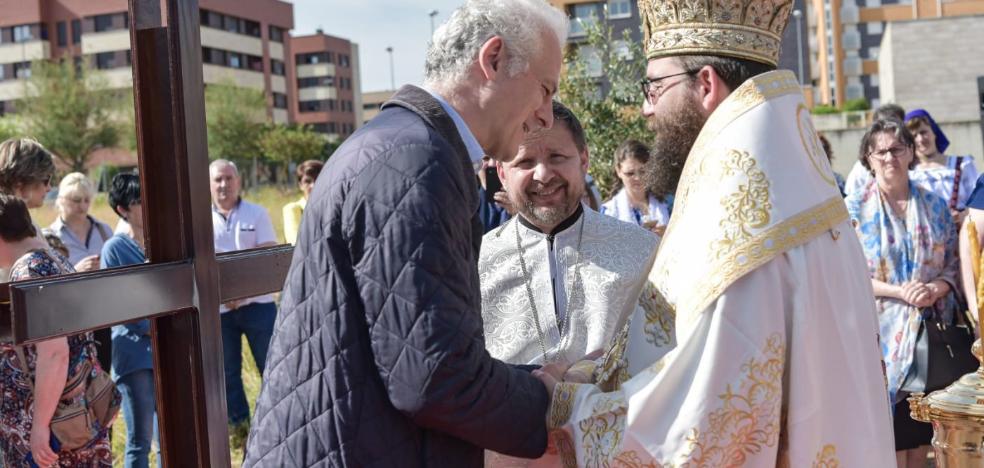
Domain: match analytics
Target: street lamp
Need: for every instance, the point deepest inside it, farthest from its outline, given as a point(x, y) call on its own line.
point(432, 14)
point(798, 14)
point(392, 75)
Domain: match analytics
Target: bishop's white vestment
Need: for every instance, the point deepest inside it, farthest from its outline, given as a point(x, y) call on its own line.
point(777, 360)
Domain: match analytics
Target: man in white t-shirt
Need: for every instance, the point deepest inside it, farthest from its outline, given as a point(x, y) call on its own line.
point(239, 225)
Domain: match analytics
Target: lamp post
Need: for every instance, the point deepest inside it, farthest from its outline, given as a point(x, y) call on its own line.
point(798, 14)
point(392, 75)
point(432, 14)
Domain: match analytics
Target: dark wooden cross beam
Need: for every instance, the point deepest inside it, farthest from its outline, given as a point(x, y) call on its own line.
point(181, 287)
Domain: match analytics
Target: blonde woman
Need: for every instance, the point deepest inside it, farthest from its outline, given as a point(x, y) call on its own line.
point(82, 234)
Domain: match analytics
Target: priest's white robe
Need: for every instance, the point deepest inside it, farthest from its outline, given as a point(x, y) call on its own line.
point(777, 361)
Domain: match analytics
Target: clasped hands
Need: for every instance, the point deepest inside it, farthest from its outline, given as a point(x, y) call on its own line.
point(922, 294)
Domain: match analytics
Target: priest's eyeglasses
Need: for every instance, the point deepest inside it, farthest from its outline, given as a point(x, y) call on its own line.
point(652, 89)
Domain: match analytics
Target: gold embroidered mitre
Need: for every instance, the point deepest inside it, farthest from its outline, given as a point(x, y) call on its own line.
point(747, 29)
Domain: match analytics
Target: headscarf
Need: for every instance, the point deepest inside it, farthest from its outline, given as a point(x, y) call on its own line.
point(942, 143)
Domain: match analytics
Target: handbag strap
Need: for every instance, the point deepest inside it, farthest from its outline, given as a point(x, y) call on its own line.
point(22, 364)
point(957, 176)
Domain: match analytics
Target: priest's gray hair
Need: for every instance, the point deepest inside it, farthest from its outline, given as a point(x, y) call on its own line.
point(520, 24)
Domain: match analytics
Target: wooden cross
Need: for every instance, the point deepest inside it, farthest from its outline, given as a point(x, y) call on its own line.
point(181, 287)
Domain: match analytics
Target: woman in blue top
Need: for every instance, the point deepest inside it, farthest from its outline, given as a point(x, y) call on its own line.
point(133, 368)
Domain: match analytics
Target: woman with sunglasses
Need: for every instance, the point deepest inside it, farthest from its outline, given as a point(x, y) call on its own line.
point(910, 243)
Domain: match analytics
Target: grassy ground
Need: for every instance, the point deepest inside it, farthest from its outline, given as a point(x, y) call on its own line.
point(272, 198)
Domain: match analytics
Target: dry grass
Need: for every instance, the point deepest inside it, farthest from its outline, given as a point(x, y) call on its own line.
point(272, 198)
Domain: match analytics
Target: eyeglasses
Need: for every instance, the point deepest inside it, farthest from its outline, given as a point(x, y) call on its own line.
point(652, 90)
point(895, 151)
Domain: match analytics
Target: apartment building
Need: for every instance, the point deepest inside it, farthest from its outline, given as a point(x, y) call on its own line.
point(372, 102)
point(245, 42)
point(846, 40)
point(326, 77)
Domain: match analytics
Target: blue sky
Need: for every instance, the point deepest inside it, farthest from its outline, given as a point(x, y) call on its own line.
point(374, 25)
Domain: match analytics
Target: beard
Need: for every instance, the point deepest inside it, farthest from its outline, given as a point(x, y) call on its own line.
point(675, 133)
point(551, 215)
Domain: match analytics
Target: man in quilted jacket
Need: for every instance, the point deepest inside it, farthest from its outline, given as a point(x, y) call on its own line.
point(378, 356)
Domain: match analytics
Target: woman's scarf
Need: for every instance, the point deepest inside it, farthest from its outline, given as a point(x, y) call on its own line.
point(942, 143)
point(920, 246)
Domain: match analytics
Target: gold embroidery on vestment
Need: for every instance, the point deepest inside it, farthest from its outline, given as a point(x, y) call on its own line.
point(562, 404)
point(827, 458)
point(659, 316)
point(614, 370)
point(631, 459)
point(601, 434)
point(749, 417)
point(747, 208)
point(811, 143)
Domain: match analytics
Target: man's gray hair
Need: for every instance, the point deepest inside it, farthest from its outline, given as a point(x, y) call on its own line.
point(520, 24)
point(220, 163)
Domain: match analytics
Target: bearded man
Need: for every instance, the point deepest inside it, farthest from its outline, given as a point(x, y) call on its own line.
point(558, 281)
point(777, 360)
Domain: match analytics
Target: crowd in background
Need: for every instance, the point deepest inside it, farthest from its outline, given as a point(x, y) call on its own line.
point(34, 378)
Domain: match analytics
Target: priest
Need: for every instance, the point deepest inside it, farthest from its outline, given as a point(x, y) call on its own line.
point(777, 360)
point(558, 281)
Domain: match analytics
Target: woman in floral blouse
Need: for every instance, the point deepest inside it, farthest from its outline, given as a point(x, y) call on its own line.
point(25, 415)
point(909, 240)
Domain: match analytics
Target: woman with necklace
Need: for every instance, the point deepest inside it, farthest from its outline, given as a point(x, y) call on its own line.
point(909, 241)
point(634, 203)
point(82, 234)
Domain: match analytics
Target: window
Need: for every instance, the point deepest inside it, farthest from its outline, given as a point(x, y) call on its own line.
point(3, 73)
point(76, 31)
point(310, 106)
point(621, 50)
point(235, 59)
point(316, 81)
point(251, 28)
point(343, 60)
point(874, 28)
point(332, 127)
point(591, 60)
point(873, 53)
point(22, 33)
point(211, 19)
point(619, 9)
point(254, 63)
point(276, 34)
point(280, 100)
point(232, 24)
point(277, 67)
point(314, 58)
point(22, 70)
point(331, 105)
point(583, 15)
point(62, 33)
point(102, 23)
point(106, 60)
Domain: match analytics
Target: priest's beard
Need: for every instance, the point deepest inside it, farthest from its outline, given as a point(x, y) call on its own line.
point(675, 132)
point(551, 215)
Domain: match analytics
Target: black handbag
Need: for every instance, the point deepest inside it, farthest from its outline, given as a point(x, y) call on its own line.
point(942, 354)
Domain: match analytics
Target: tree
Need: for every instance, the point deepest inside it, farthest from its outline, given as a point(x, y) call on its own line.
point(235, 118)
point(287, 144)
point(9, 128)
point(71, 111)
point(610, 114)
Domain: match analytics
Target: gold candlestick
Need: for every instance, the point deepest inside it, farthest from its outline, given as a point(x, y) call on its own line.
point(957, 412)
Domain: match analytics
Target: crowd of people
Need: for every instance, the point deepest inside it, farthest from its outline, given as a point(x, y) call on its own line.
point(460, 294)
point(33, 377)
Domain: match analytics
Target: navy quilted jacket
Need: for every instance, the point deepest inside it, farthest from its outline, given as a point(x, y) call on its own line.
point(378, 357)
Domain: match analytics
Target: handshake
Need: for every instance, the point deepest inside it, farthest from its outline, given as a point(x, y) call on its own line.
point(581, 372)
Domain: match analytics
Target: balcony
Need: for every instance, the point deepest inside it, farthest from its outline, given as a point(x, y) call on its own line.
point(278, 84)
point(853, 66)
point(109, 41)
point(317, 94)
point(219, 39)
point(25, 51)
point(315, 70)
point(244, 78)
point(277, 51)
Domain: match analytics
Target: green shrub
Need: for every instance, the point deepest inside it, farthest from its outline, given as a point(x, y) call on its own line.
point(824, 109)
point(859, 104)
